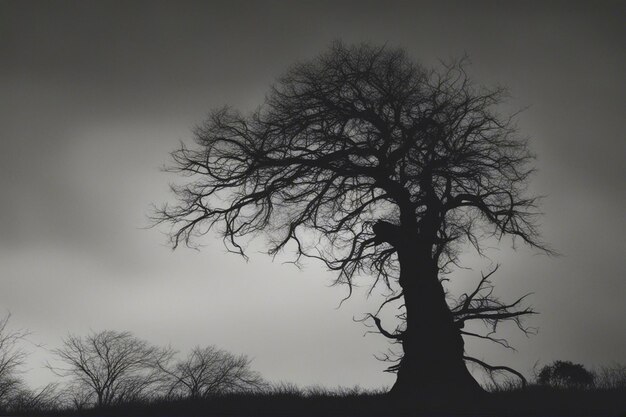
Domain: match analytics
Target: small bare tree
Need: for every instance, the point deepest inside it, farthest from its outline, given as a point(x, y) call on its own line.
point(78, 396)
point(209, 370)
point(112, 366)
point(611, 377)
point(15, 395)
point(12, 357)
point(47, 398)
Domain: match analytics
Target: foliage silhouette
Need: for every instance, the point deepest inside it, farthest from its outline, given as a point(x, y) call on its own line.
point(376, 166)
point(565, 374)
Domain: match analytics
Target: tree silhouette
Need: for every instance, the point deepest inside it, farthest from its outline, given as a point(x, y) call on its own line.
point(375, 166)
point(209, 371)
point(12, 357)
point(15, 395)
point(565, 374)
point(109, 367)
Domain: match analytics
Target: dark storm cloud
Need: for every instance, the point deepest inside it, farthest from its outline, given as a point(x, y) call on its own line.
point(95, 94)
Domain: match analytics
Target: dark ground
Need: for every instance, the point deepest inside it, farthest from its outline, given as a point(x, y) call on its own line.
point(531, 402)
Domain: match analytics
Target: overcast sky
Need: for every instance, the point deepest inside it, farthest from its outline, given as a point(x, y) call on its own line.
point(94, 95)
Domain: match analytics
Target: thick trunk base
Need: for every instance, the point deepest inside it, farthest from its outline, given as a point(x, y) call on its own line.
point(435, 379)
point(432, 366)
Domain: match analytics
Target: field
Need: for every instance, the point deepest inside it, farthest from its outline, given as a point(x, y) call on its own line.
point(533, 401)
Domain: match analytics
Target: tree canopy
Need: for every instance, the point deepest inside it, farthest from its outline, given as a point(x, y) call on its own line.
point(372, 164)
point(358, 136)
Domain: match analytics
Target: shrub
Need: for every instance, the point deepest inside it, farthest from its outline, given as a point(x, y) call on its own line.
point(565, 374)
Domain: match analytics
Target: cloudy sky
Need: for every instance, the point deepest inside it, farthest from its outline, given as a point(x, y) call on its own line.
point(94, 95)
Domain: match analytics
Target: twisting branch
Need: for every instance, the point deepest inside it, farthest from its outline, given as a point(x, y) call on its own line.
point(392, 357)
point(494, 369)
point(389, 300)
point(482, 305)
point(501, 342)
point(395, 336)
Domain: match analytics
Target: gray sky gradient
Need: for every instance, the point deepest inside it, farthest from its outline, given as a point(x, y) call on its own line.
point(94, 95)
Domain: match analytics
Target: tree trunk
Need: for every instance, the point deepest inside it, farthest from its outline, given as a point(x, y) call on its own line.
point(432, 366)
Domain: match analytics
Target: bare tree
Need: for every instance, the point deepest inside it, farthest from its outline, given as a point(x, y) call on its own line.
point(111, 366)
point(78, 395)
point(12, 357)
point(47, 398)
point(15, 395)
point(375, 166)
point(209, 370)
point(611, 377)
